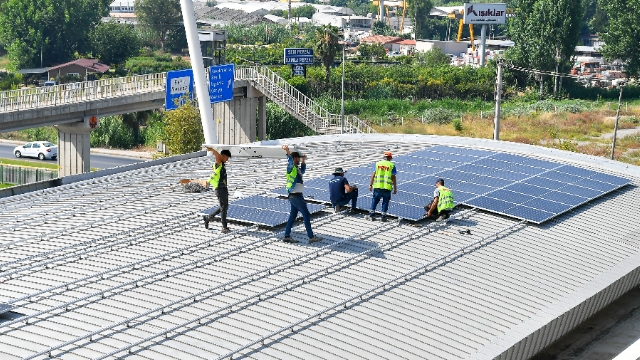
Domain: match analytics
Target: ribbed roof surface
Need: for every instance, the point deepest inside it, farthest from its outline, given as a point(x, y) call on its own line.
point(122, 263)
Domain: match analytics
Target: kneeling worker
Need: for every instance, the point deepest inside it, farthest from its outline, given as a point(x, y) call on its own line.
point(341, 193)
point(295, 186)
point(218, 181)
point(442, 203)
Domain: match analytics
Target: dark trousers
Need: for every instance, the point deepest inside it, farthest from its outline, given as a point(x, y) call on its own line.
point(436, 213)
point(223, 199)
point(378, 194)
point(298, 204)
point(351, 197)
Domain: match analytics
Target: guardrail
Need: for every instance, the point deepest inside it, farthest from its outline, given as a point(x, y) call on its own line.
point(18, 175)
point(34, 98)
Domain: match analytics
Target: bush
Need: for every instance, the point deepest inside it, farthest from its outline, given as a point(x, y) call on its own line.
point(112, 133)
point(183, 129)
point(281, 125)
point(440, 116)
point(47, 133)
point(457, 124)
point(154, 129)
point(9, 81)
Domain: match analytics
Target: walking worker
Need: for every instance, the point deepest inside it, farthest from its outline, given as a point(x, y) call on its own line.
point(382, 182)
point(442, 204)
point(218, 181)
point(295, 168)
point(341, 193)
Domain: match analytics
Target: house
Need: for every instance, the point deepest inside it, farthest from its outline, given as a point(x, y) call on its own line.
point(407, 46)
point(389, 42)
point(85, 68)
point(122, 6)
point(122, 18)
point(448, 47)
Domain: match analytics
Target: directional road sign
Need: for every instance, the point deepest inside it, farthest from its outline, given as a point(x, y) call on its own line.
point(298, 56)
point(299, 70)
point(221, 83)
point(179, 83)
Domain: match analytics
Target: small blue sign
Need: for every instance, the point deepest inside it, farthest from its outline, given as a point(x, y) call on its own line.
point(179, 83)
point(221, 83)
point(298, 56)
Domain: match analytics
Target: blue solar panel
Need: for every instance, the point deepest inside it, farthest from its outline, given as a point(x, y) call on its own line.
point(455, 175)
point(527, 189)
point(416, 188)
point(576, 171)
point(489, 203)
point(529, 214)
point(406, 211)
point(580, 191)
point(490, 181)
point(259, 202)
point(362, 170)
point(595, 185)
point(492, 163)
point(471, 188)
point(510, 196)
point(419, 200)
point(548, 205)
point(280, 191)
point(614, 180)
point(475, 169)
point(565, 198)
point(562, 177)
point(544, 183)
point(462, 151)
point(509, 175)
point(460, 197)
point(528, 170)
point(525, 161)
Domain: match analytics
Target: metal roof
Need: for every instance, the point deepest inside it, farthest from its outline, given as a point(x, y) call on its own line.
point(121, 265)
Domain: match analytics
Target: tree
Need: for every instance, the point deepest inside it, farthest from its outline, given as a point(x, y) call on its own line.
point(183, 128)
point(46, 29)
point(114, 43)
point(306, 11)
point(545, 33)
point(326, 47)
point(381, 28)
point(622, 35)
point(160, 16)
point(372, 51)
point(419, 10)
point(433, 58)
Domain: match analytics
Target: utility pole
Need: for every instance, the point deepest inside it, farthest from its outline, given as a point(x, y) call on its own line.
point(496, 119)
point(344, 45)
point(615, 129)
point(201, 84)
point(483, 41)
point(289, 13)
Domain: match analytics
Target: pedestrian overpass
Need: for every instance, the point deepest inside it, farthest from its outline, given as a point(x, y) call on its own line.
point(70, 106)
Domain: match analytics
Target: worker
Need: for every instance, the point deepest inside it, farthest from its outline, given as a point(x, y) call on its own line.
point(383, 180)
point(218, 181)
point(295, 168)
point(341, 192)
point(442, 204)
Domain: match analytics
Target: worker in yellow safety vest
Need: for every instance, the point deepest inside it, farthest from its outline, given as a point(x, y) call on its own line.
point(383, 180)
point(218, 182)
point(442, 204)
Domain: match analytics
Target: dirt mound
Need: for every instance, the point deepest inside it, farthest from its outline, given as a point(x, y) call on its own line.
point(204, 12)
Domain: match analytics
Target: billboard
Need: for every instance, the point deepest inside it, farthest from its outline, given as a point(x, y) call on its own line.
point(297, 56)
point(485, 13)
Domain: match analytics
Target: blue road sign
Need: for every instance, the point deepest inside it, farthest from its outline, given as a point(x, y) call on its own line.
point(299, 70)
point(298, 56)
point(221, 83)
point(179, 83)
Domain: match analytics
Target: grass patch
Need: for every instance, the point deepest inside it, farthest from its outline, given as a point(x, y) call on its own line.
point(4, 62)
point(3, 186)
point(32, 164)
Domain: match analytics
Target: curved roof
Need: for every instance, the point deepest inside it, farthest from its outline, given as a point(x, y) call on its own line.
point(118, 264)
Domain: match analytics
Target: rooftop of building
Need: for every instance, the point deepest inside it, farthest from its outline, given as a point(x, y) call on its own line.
point(381, 39)
point(118, 262)
point(90, 64)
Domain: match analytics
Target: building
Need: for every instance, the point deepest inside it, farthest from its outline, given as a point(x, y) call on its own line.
point(390, 43)
point(407, 46)
point(117, 263)
point(352, 22)
point(122, 6)
point(448, 47)
point(85, 68)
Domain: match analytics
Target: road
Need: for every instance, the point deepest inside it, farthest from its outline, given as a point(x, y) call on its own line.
point(97, 160)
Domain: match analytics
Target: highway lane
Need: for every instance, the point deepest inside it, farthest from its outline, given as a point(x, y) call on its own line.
point(99, 161)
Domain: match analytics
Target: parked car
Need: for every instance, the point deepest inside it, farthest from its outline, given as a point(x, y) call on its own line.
point(50, 83)
point(37, 149)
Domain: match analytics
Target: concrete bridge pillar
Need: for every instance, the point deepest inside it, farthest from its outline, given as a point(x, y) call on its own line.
point(243, 119)
point(74, 148)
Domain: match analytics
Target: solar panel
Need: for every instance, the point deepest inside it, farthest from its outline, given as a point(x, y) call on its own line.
point(526, 188)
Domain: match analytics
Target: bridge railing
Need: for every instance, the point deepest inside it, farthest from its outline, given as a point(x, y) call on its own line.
point(34, 98)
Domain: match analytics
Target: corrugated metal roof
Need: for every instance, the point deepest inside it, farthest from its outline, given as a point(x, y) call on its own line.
point(122, 263)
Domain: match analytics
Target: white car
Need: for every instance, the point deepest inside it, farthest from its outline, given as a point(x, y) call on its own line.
point(37, 149)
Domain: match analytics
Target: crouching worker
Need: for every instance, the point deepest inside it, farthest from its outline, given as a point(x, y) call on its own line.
point(218, 181)
point(341, 193)
point(442, 204)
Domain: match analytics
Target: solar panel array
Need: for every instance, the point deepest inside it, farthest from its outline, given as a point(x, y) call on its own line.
point(517, 186)
point(262, 210)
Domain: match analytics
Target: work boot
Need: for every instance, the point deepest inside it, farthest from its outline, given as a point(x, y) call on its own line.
point(289, 239)
point(206, 221)
point(441, 218)
point(315, 239)
point(353, 211)
point(225, 230)
point(383, 219)
point(369, 217)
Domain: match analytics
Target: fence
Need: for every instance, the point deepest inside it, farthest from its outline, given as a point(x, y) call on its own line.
point(18, 175)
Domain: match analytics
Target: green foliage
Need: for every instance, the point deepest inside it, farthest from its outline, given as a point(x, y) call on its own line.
point(433, 58)
point(211, 3)
point(299, 83)
point(112, 133)
point(47, 133)
point(441, 116)
point(69, 78)
point(183, 129)
point(160, 16)
point(419, 10)
point(10, 81)
point(59, 31)
point(622, 36)
point(306, 11)
point(252, 54)
point(154, 129)
point(155, 64)
point(281, 125)
point(372, 51)
point(257, 34)
point(457, 124)
point(114, 43)
point(326, 47)
point(382, 28)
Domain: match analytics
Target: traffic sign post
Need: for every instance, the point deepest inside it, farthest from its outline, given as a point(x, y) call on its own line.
point(221, 79)
point(298, 56)
point(179, 83)
point(299, 70)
